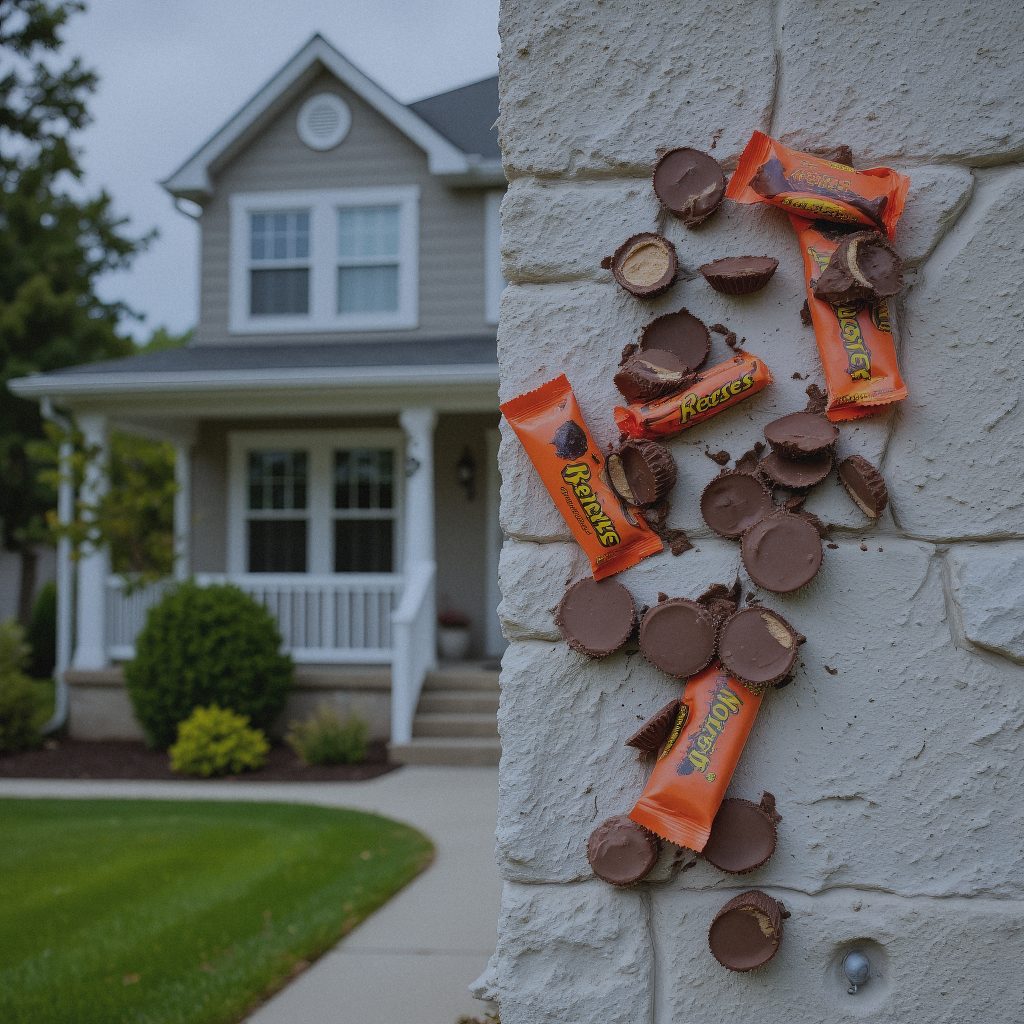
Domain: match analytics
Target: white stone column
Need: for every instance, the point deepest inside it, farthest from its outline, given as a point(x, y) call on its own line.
point(94, 564)
point(418, 425)
point(183, 509)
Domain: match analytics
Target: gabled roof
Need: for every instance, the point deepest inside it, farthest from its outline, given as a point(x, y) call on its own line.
point(466, 116)
point(435, 129)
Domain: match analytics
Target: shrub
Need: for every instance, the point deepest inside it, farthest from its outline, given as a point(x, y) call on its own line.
point(206, 645)
point(216, 741)
point(327, 737)
point(18, 701)
point(42, 633)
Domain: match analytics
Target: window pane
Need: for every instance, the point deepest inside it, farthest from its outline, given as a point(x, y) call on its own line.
point(277, 480)
point(342, 479)
point(279, 291)
point(368, 231)
point(363, 545)
point(368, 289)
point(277, 545)
point(364, 478)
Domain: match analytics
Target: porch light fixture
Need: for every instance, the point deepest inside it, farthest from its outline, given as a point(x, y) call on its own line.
point(465, 470)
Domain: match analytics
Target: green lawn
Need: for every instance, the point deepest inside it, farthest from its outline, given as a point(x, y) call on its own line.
point(161, 912)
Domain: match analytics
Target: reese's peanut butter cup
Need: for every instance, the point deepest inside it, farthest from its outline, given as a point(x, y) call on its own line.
point(714, 389)
point(743, 836)
point(645, 264)
point(596, 617)
point(650, 374)
point(681, 333)
point(651, 736)
point(611, 536)
point(642, 472)
point(769, 172)
point(739, 275)
point(796, 474)
point(690, 184)
point(621, 852)
point(864, 484)
point(801, 434)
point(782, 552)
point(732, 502)
point(678, 636)
point(758, 647)
point(864, 266)
point(697, 761)
point(747, 932)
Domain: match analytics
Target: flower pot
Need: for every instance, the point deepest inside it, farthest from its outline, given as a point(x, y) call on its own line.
point(453, 642)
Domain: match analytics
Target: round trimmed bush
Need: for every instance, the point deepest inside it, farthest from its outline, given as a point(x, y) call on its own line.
point(202, 646)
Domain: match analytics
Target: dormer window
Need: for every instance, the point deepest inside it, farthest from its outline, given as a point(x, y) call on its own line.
point(325, 261)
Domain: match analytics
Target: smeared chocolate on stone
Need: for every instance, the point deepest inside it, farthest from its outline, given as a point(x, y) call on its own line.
point(743, 835)
point(570, 440)
point(680, 333)
point(733, 501)
point(747, 932)
point(689, 183)
point(836, 155)
point(796, 474)
point(650, 374)
point(645, 264)
point(622, 852)
point(739, 275)
point(642, 472)
point(596, 617)
point(678, 636)
point(864, 484)
point(864, 267)
point(782, 552)
point(747, 462)
point(801, 434)
point(650, 737)
point(758, 647)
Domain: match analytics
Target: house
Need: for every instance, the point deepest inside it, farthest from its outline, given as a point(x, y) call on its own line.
point(335, 417)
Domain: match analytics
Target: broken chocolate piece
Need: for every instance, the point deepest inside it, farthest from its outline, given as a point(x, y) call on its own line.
point(782, 552)
point(651, 374)
point(837, 155)
point(817, 400)
point(739, 275)
point(747, 932)
point(721, 457)
point(689, 184)
point(796, 474)
point(864, 484)
point(758, 647)
point(743, 836)
point(645, 264)
point(805, 318)
point(863, 267)
point(733, 501)
point(801, 434)
point(747, 462)
point(678, 542)
point(596, 617)
point(720, 600)
point(642, 472)
point(570, 440)
point(622, 852)
point(649, 738)
point(680, 333)
point(678, 636)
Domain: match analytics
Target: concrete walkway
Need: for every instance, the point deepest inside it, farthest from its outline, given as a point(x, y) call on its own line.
point(410, 962)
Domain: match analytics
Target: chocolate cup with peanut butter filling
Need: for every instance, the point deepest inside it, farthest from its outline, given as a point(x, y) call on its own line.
point(678, 636)
point(733, 501)
point(596, 617)
point(689, 184)
point(739, 275)
point(650, 737)
point(801, 435)
point(796, 474)
point(645, 264)
point(747, 932)
point(758, 647)
point(650, 374)
point(864, 484)
point(642, 472)
point(865, 266)
point(681, 333)
point(782, 552)
point(743, 836)
point(622, 852)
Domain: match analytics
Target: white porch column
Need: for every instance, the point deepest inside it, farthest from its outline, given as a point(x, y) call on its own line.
point(94, 565)
point(182, 509)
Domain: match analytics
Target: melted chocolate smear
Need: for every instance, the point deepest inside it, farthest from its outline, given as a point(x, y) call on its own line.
point(799, 376)
point(805, 314)
point(747, 462)
point(656, 515)
point(837, 155)
point(721, 457)
point(817, 400)
point(628, 349)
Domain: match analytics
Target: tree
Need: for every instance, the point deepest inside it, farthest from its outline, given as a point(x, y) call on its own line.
point(54, 244)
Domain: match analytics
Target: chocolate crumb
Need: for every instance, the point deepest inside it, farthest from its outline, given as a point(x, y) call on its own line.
point(721, 457)
point(831, 671)
point(863, 546)
point(729, 336)
point(817, 400)
point(805, 314)
point(832, 547)
point(799, 376)
point(880, 549)
point(662, 596)
point(678, 542)
point(747, 462)
point(794, 502)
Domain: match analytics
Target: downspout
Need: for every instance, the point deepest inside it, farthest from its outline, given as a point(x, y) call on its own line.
point(65, 572)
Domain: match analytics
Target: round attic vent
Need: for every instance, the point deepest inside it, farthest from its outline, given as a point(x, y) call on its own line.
point(323, 121)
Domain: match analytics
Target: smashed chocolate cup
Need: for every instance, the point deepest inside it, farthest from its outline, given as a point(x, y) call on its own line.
point(650, 374)
point(642, 472)
point(645, 264)
point(739, 275)
point(796, 474)
point(758, 647)
point(747, 932)
point(801, 434)
point(743, 836)
point(622, 852)
point(864, 266)
point(678, 636)
point(650, 737)
point(690, 184)
point(782, 552)
point(732, 502)
point(596, 617)
point(864, 484)
point(681, 333)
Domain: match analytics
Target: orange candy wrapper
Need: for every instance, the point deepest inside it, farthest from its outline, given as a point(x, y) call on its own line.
point(550, 425)
point(855, 341)
point(719, 387)
point(696, 762)
point(769, 172)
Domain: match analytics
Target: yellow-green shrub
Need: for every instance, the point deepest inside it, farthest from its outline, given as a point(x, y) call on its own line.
point(216, 741)
point(327, 737)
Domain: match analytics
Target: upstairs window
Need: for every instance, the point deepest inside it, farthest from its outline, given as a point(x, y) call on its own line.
point(369, 260)
point(279, 254)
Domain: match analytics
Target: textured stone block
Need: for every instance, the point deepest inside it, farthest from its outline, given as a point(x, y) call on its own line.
point(953, 467)
point(937, 197)
point(925, 81)
point(588, 87)
point(987, 583)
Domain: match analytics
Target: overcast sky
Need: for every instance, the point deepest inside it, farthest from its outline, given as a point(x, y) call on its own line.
point(172, 73)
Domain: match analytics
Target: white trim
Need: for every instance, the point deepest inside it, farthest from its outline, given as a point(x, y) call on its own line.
point(494, 279)
point(193, 181)
point(322, 261)
point(319, 512)
point(494, 640)
point(306, 131)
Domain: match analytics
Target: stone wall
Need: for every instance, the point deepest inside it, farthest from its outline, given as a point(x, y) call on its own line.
point(899, 775)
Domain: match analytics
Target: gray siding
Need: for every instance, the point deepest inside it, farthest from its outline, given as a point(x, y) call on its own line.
point(451, 264)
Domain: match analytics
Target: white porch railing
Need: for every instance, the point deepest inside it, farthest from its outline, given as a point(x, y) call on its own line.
point(415, 647)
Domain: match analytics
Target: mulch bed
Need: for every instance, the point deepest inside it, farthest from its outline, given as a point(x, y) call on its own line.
point(116, 759)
